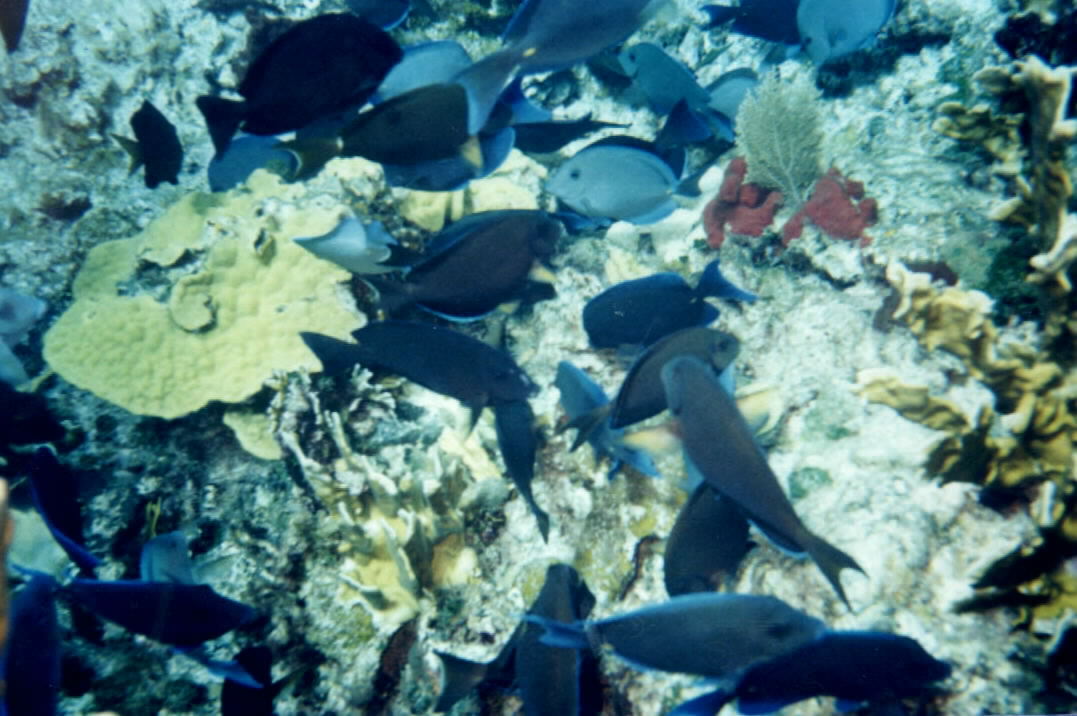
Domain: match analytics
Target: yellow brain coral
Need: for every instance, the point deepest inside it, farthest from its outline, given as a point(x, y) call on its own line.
point(205, 304)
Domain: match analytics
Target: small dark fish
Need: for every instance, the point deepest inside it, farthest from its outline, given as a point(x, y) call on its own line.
point(31, 661)
point(642, 395)
point(719, 445)
point(178, 614)
point(321, 66)
point(518, 441)
point(852, 666)
point(773, 20)
point(54, 489)
point(550, 136)
point(550, 35)
point(644, 310)
point(386, 14)
point(439, 359)
point(550, 680)
point(12, 21)
point(482, 261)
point(581, 395)
point(155, 146)
point(830, 29)
point(706, 544)
point(711, 635)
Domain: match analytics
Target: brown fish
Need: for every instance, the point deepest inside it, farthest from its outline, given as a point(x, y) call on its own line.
point(706, 544)
point(719, 444)
point(12, 21)
point(641, 395)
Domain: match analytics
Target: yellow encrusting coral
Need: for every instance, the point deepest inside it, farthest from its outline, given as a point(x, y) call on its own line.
point(204, 304)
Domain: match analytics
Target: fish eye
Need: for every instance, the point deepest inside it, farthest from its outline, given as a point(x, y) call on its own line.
point(574, 174)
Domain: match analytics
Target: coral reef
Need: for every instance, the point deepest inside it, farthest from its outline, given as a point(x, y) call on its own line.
point(207, 302)
point(838, 207)
point(745, 209)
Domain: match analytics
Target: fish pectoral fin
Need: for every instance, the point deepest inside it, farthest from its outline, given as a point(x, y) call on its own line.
point(659, 439)
point(541, 274)
point(476, 412)
point(311, 154)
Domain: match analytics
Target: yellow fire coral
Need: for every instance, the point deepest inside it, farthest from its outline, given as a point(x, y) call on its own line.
point(207, 302)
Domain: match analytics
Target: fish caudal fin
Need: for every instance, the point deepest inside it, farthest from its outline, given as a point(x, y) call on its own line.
point(458, 677)
point(585, 425)
point(223, 117)
point(484, 81)
point(337, 357)
point(713, 283)
point(830, 561)
point(706, 705)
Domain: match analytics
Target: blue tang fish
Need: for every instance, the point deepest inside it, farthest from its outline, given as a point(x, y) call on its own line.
point(710, 635)
point(663, 80)
point(579, 396)
point(31, 660)
point(644, 310)
point(426, 63)
point(720, 447)
point(616, 182)
point(245, 154)
point(773, 20)
point(549, 35)
point(852, 666)
point(830, 29)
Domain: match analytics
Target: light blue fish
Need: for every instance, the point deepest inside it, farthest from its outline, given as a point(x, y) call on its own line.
point(244, 155)
point(616, 182)
point(426, 63)
point(662, 79)
point(579, 396)
point(353, 246)
point(833, 28)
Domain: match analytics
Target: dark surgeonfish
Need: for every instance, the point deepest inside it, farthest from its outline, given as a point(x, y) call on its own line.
point(852, 666)
point(550, 35)
point(773, 20)
point(581, 395)
point(155, 146)
point(31, 660)
point(705, 546)
point(477, 264)
point(550, 680)
point(321, 66)
point(182, 615)
point(549, 136)
point(439, 359)
point(12, 22)
point(720, 446)
point(830, 29)
point(642, 395)
point(421, 125)
point(644, 310)
point(518, 441)
point(710, 635)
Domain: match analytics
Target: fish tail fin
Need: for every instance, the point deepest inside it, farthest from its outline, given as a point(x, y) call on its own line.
point(830, 561)
point(706, 705)
point(563, 635)
point(312, 153)
point(585, 425)
point(393, 296)
point(223, 117)
point(713, 283)
point(458, 677)
point(484, 81)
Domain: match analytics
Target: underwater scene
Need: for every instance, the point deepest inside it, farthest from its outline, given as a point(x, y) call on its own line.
point(622, 357)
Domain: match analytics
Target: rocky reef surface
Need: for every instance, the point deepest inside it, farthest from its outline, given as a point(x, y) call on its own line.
point(363, 519)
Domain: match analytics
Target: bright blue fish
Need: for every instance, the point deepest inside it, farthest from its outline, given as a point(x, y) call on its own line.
point(54, 489)
point(773, 20)
point(245, 154)
point(31, 667)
